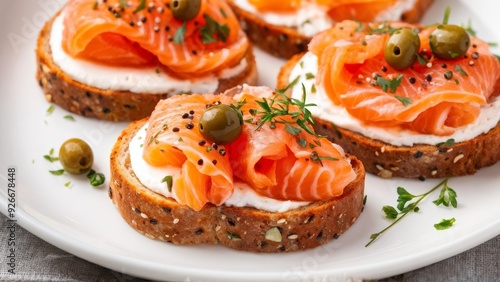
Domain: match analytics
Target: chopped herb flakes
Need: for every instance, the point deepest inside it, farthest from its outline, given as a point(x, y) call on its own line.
point(140, 7)
point(404, 100)
point(50, 109)
point(57, 172)
point(448, 143)
point(179, 34)
point(460, 70)
point(169, 180)
point(212, 27)
point(387, 84)
point(96, 178)
point(444, 224)
point(69, 117)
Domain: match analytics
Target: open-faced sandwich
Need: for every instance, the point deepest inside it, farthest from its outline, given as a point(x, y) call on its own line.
point(284, 28)
point(246, 171)
point(407, 100)
point(114, 59)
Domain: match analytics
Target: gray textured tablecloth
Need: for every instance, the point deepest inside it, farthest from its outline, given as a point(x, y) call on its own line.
point(39, 261)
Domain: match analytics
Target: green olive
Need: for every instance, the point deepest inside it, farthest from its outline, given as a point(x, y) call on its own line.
point(185, 10)
point(76, 156)
point(449, 41)
point(402, 48)
point(220, 124)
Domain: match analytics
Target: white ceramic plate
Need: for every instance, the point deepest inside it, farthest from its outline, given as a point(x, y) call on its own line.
point(82, 220)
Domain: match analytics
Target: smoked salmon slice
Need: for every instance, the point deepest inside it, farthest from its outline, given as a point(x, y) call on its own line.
point(273, 159)
point(145, 32)
point(354, 74)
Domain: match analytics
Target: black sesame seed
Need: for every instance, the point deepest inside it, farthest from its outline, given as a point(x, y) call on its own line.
point(214, 162)
point(263, 244)
point(144, 19)
point(194, 52)
point(336, 236)
point(167, 28)
point(137, 210)
point(443, 65)
point(167, 210)
point(421, 178)
point(200, 162)
point(131, 23)
point(106, 110)
point(418, 154)
point(215, 146)
point(231, 222)
point(428, 77)
point(202, 142)
point(185, 115)
point(191, 112)
point(474, 45)
point(448, 75)
point(320, 235)
point(281, 249)
point(384, 69)
point(358, 82)
point(175, 129)
point(189, 125)
point(412, 80)
point(222, 152)
point(199, 231)
point(475, 55)
point(170, 38)
point(153, 221)
point(88, 94)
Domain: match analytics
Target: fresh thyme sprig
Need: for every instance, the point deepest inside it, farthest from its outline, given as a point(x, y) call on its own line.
point(281, 107)
point(446, 197)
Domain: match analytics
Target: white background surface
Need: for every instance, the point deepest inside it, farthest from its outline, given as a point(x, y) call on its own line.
point(83, 221)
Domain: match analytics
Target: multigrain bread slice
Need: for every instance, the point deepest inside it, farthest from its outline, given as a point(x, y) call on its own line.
point(161, 218)
point(89, 101)
point(284, 42)
point(419, 161)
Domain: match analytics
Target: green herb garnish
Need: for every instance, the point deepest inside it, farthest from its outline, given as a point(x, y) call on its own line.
point(405, 205)
point(57, 172)
point(404, 100)
point(123, 4)
point(50, 109)
point(212, 27)
point(223, 13)
point(50, 157)
point(96, 178)
point(460, 70)
point(444, 224)
point(387, 84)
point(421, 60)
point(469, 28)
point(169, 180)
point(448, 143)
point(302, 142)
point(446, 16)
point(67, 184)
point(309, 75)
point(179, 34)
point(69, 117)
point(142, 6)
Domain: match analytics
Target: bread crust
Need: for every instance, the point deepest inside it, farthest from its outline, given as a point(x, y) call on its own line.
point(419, 161)
point(89, 101)
point(240, 228)
point(284, 42)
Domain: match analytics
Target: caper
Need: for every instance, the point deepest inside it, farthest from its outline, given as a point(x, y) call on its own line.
point(76, 156)
point(449, 41)
point(402, 48)
point(220, 124)
point(185, 10)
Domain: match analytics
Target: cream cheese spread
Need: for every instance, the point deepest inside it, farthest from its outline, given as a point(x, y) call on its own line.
point(151, 177)
point(136, 80)
point(326, 110)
